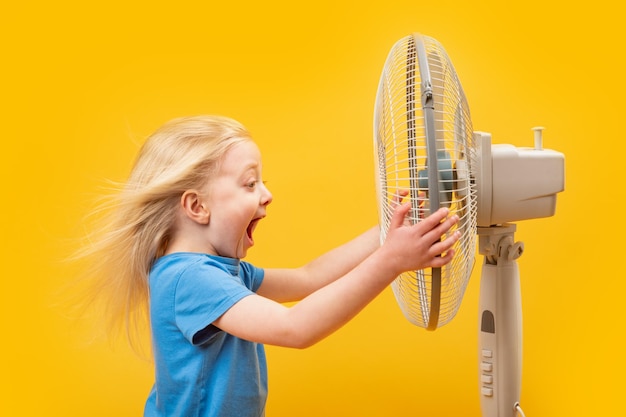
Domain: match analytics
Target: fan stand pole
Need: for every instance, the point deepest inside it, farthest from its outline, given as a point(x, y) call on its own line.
point(500, 322)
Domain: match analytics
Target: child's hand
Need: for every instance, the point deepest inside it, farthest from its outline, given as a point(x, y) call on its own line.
point(418, 246)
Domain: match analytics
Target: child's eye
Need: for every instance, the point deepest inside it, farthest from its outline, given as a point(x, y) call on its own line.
point(251, 184)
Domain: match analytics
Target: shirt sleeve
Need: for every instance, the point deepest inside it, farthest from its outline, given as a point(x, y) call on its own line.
point(203, 294)
point(252, 276)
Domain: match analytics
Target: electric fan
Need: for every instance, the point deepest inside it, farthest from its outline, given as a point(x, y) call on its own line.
point(424, 143)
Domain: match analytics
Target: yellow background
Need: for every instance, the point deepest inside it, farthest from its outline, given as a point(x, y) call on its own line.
point(82, 84)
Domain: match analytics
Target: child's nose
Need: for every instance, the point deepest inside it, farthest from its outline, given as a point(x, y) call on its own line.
point(266, 197)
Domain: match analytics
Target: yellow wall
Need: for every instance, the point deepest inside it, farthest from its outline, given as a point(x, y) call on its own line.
point(82, 85)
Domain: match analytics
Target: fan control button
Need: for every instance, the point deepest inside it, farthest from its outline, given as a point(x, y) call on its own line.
point(486, 391)
point(487, 353)
point(486, 366)
point(486, 379)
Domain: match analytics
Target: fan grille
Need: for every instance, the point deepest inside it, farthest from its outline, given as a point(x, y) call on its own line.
point(421, 113)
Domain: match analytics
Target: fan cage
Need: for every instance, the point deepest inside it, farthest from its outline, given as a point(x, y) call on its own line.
point(401, 147)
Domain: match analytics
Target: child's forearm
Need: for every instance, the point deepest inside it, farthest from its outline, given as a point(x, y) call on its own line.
point(329, 308)
point(341, 260)
point(286, 285)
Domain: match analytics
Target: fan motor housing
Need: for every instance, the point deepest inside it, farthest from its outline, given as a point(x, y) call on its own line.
point(516, 183)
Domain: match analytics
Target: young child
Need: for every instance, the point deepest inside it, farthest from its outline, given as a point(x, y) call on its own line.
point(184, 222)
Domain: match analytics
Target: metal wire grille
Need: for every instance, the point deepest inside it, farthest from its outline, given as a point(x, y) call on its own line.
point(428, 298)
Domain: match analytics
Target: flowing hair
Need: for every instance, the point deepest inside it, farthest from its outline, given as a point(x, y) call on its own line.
point(139, 217)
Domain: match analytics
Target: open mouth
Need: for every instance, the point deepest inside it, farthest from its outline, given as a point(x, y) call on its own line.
point(250, 230)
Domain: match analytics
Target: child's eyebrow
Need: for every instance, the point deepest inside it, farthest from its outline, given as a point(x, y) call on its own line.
point(252, 168)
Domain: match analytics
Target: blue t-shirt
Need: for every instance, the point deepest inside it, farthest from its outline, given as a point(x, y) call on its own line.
point(199, 369)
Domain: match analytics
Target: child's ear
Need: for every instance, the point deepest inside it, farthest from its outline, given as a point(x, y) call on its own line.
point(194, 208)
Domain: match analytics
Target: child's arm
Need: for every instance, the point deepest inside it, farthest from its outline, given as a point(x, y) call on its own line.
point(284, 285)
point(262, 320)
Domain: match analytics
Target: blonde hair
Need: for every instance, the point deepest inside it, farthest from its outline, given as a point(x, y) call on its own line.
point(139, 219)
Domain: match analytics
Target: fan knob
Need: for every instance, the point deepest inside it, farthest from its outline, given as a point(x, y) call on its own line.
point(538, 137)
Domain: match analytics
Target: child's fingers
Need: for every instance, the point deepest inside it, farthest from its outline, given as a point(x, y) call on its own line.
point(442, 260)
point(441, 245)
point(437, 233)
point(437, 226)
point(435, 218)
point(399, 214)
point(398, 196)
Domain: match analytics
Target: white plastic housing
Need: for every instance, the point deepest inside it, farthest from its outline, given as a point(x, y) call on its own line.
point(516, 183)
